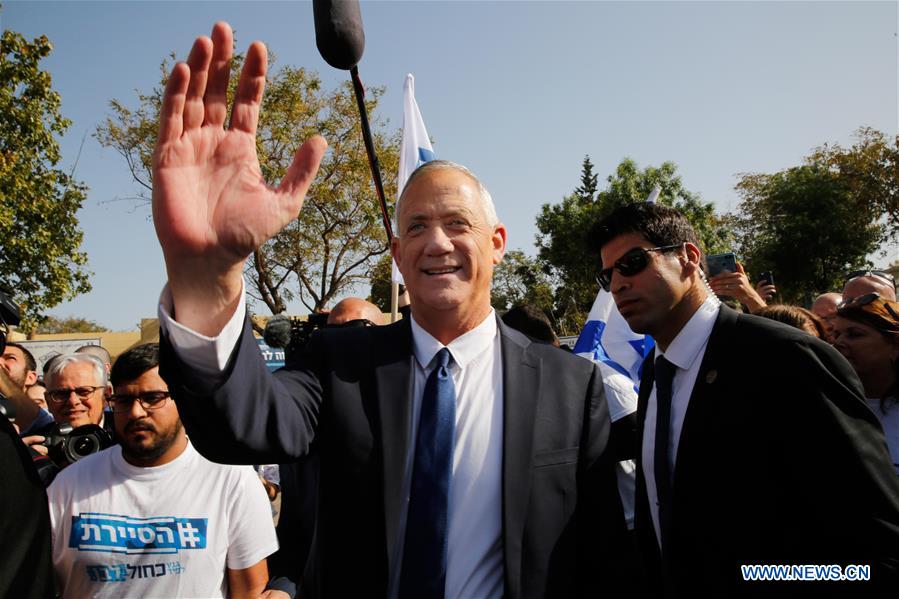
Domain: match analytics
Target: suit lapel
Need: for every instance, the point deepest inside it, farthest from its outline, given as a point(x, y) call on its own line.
point(521, 389)
point(394, 384)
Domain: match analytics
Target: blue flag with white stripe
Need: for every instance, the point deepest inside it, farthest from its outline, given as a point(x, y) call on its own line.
point(607, 339)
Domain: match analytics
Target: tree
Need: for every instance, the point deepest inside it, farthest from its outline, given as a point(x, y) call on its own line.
point(41, 262)
point(586, 192)
point(870, 170)
point(520, 279)
point(564, 240)
point(380, 279)
point(70, 324)
point(802, 223)
point(333, 244)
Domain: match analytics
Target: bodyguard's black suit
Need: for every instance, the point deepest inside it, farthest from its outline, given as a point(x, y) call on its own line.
point(780, 461)
point(350, 395)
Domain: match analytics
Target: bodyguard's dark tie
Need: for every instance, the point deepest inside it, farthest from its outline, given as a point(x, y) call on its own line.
point(424, 555)
point(664, 378)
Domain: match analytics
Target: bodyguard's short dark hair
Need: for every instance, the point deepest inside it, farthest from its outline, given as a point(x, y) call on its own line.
point(134, 362)
point(659, 224)
point(30, 362)
point(532, 321)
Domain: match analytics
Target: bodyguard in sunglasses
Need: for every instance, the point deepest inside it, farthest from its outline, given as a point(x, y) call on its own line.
point(756, 445)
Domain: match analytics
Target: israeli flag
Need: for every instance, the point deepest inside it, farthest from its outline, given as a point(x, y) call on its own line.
point(608, 340)
point(415, 149)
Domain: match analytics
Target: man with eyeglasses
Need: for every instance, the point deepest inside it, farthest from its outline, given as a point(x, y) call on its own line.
point(862, 282)
point(77, 386)
point(755, 443)
point(151, 517)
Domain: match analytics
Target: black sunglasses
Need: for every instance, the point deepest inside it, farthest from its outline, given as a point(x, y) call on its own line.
point(864, 300)
point(352, 324)
point(631, 263)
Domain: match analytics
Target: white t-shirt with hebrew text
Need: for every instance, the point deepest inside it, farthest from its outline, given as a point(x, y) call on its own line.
point(168, 531)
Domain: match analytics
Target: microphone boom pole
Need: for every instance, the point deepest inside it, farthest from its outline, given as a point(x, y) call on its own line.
point(370, 150)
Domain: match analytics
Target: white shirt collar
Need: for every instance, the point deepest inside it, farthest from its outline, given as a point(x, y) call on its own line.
point(464, 348)
point(689, 342)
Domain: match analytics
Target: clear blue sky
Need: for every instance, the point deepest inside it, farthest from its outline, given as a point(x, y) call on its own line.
point(518, 91)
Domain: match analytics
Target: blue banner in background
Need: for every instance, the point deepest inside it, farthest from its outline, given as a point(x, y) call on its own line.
point(273, 356)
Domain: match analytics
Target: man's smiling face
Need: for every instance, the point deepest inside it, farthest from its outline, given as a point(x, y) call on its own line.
point(446, 248)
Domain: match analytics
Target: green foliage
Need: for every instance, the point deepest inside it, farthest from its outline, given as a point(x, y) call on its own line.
point(519, 279)
point(70, 324)
point(802, 223)
point(380, 280)
point(564, 238)
point(40, 263)
point(586, 192)
point(870, 170)
point(335, 241)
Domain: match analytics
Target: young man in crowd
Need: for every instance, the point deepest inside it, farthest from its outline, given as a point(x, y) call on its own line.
point(755, 443)
point(151, 517)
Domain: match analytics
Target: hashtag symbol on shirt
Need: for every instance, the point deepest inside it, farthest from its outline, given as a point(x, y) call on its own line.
point(188, 534)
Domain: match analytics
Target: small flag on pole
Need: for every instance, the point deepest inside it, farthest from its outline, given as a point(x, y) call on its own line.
point(608, 340)
point(416, 147)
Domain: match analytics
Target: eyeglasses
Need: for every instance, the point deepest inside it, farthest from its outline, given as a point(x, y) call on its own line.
point(888, 277)
point(864, 300)
point(61, 395)
point(149, 400)
point(631, 263)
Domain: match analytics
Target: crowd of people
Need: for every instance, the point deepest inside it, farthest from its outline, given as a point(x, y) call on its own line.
point(449, 454)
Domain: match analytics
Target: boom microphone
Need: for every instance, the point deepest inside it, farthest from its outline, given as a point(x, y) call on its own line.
point(338, 32)
point(278, 331)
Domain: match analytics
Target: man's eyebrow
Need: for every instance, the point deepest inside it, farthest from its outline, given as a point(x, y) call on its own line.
point(461, 211)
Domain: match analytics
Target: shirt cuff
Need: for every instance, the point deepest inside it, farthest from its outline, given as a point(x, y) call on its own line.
point(206, 355)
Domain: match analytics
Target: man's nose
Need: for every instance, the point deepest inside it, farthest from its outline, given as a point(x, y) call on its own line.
point(619, 282)
point(137, 411)
point(74, 399)
point(438, 242)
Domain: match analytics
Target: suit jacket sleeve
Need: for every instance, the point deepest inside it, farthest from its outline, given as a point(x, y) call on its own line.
point(840, 451)
point(602, 555)
point(249, 415)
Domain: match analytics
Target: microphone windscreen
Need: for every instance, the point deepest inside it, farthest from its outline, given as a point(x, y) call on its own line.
point(278, 331)
point(338, 32)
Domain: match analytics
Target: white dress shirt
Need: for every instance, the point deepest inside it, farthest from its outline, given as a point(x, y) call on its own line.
point(685, 352)
point(475, 550)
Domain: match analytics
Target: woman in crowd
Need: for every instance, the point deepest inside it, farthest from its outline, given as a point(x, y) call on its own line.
point(800, 318)
point(866, 331)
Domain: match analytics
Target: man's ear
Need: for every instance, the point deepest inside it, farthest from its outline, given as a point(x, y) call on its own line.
point(691, 259)
point(499, 243)
point(30, 378)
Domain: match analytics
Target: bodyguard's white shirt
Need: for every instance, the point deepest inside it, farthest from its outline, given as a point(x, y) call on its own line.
point(685, 352)
point(474, 548)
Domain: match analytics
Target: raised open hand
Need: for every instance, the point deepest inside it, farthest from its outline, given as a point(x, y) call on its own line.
point(211, 206)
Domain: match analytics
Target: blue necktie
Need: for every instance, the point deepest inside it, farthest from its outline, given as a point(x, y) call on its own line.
point(424, 555)
point(664, 377)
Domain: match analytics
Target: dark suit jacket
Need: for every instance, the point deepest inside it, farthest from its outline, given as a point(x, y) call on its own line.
point(779, 462)
point(349, 395)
